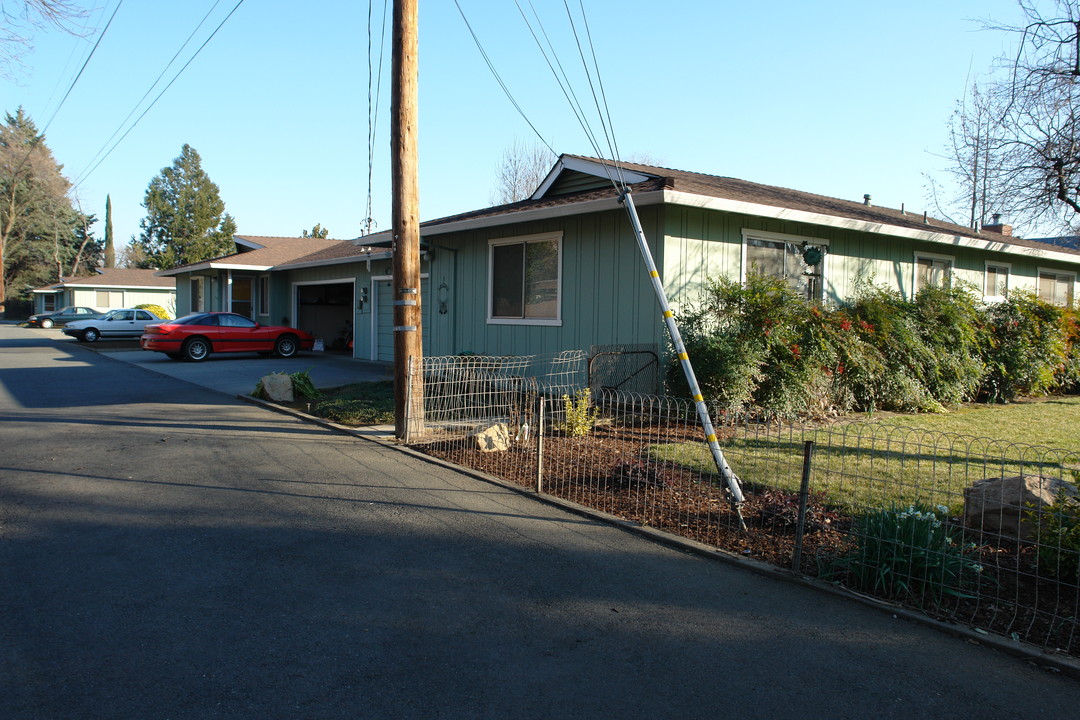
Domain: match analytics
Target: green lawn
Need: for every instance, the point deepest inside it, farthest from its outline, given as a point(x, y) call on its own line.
point(897, 460)
point(367, 403)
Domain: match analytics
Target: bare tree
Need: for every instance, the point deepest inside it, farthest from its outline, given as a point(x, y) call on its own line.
point(1016, 145)
point(975, 164)
point(21, 19)
point(522, 170)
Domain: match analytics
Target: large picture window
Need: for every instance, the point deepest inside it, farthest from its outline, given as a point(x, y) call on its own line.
point(1056, 287)
point(525, 280)
point(799, 261)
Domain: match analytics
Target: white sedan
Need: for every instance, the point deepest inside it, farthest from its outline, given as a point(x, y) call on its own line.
point(126, 323)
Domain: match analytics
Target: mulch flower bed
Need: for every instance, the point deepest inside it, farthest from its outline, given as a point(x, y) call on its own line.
point(611, 470)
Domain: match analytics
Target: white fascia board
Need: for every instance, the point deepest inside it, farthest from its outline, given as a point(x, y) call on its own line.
point(211, 266)
point(738, 206)
point(555, 211)
point(240, 240)
point(589, 167)
point(388, 255)
point(113, 286)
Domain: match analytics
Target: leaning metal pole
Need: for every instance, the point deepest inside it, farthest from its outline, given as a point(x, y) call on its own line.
point(722, 466)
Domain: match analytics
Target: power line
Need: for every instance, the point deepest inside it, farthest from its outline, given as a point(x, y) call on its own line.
point(163, 91)
point(87, 62)
point(373, 109)
point(499, 79)
point(151, 88)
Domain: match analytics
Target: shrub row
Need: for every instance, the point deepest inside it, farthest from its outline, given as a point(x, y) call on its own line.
point(761, 345)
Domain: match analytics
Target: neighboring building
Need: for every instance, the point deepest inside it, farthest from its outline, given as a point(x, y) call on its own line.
point(108, 289)
point(561, 270)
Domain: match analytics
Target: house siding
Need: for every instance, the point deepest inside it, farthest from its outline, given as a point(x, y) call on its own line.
point(605, 292)
point(703, 244)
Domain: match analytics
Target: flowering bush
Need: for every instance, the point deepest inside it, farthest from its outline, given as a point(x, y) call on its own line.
point(762, 345)
point(1026, 348)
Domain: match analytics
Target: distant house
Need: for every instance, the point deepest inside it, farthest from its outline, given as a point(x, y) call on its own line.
point(561, 270)
point(107, 289)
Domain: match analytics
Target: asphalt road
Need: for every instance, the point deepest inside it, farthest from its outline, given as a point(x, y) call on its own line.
point(169, 552)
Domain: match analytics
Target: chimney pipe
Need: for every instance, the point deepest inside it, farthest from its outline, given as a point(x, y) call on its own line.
point(866, 199)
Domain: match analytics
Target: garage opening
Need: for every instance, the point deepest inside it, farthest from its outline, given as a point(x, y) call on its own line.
point(325, 311)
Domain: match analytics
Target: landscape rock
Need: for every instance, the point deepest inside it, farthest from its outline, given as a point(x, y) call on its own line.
point(493, 438)
point(278, 387)
point(1003, 505)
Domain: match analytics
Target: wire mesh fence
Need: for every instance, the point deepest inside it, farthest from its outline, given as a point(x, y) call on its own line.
point(977, 531)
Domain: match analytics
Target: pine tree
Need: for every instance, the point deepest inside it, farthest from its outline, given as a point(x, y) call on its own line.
point(185, 218)
point(110, 248)
point(42, 236)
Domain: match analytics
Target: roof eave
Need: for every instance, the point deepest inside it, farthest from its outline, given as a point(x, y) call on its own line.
point(934, 236)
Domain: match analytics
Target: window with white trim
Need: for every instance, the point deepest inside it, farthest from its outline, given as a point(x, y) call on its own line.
point(935, 270)
point(1056, 287)
point(109, 298)
point(996, 281)
point(799, 261)
point(525, 280)
point(49, 303)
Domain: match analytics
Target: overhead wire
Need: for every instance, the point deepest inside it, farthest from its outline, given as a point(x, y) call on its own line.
point(180, 72)
point(85, 63)
point(498, 79)
point(373, 109)
point(563, 80)
point(151, 88)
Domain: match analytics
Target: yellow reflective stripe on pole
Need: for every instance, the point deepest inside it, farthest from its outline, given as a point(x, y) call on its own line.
point(684, 359)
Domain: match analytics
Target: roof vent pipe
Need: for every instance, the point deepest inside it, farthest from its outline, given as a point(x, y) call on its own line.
point(866, 199)
point(997, 218)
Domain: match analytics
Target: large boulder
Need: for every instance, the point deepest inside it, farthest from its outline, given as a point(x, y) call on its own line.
point(493, 438)
point(1006, 505)
point(278, 387)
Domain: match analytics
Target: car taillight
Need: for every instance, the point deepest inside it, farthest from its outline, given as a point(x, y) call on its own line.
point(159, 329)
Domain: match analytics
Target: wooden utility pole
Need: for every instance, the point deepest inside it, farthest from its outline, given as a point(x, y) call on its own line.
point(408, 388)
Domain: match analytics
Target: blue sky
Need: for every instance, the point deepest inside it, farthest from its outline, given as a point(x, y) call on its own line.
point(836, 97)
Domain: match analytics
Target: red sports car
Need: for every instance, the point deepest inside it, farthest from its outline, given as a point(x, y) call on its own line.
point(193, 337)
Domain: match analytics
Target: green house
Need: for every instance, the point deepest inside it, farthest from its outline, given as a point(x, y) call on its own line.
point(562, 270)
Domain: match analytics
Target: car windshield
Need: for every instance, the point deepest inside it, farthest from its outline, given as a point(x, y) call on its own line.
point(110, 315)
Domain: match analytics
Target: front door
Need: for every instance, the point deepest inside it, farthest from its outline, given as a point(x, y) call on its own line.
point(242, 294)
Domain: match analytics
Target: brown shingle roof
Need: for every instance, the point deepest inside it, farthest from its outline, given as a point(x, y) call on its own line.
point(118, 277)
point(750, 192)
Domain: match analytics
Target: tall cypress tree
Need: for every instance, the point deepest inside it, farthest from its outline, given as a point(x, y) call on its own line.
point(110, 249)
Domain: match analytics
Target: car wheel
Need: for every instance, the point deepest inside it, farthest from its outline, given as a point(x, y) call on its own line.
point(90, 335)
point(286, 346)
point(196, 349)
point(46, 323)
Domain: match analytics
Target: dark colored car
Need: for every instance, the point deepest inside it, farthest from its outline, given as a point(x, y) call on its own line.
point(193, 337)
point(61, 317)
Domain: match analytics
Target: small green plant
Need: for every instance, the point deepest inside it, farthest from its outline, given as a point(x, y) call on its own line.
point(908, 554)
point(303, 387)
point(580, 417)
point(1059, 536)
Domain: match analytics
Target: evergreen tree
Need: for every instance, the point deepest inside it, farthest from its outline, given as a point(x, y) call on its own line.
point(42, 236)
point(110, 248)
point(185, 218)
point(317, 232)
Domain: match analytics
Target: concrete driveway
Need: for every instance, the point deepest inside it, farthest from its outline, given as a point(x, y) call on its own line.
point(230, 373)
point(167, 551)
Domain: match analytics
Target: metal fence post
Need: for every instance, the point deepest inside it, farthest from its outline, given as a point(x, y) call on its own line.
point(540, 445)
point(804, 500)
